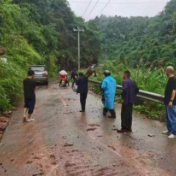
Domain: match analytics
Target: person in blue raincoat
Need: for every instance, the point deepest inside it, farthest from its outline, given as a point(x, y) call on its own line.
point(109, 88)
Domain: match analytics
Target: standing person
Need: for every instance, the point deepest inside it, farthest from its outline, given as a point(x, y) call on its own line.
point(82, 88)
point(109, 89)
point(29, 96)
point(170, 103)
point(129, 93)
point(74, 76)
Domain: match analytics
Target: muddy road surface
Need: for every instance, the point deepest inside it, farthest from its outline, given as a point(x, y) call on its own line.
point(64, 142)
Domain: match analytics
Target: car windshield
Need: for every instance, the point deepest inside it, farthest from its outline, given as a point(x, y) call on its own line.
point(38, 68)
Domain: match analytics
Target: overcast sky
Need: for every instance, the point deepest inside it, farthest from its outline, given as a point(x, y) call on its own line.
point(117, 7)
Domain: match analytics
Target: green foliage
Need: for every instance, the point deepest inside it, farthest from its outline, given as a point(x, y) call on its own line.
point(135, 38)
point(11, 77)
point(143, 45)
point(153, 80)
point(39, 32)
point(20, 55)
point(49, 28)
point(152, 110)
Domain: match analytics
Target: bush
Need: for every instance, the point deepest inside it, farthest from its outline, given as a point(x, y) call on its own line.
point(11, 77)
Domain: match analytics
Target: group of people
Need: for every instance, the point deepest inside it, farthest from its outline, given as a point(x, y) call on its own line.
point(109, 86)
point(130, 90)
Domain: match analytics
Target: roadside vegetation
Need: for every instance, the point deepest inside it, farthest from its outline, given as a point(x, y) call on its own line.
point(41, 32)
point(38, 32)
point(151, 41)
point(143, 45)
point(150, 79)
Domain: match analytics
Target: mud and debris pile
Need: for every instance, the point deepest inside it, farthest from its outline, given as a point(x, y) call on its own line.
point(4, 121)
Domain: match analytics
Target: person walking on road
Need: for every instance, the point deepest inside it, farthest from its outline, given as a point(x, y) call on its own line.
point(170, 103)
point(82, 88)
point(29, 96)
point(129, 93)
point(74, 76)
point(109, 86)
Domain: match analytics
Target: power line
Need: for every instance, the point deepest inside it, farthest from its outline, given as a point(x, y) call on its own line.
point(92, 9)
point(87, 7)
point(104, 7)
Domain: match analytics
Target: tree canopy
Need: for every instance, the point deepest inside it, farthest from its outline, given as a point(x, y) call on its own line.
point(134, 39)
point(39, 32)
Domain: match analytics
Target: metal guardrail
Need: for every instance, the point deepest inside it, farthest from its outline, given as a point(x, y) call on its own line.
point(142, 94)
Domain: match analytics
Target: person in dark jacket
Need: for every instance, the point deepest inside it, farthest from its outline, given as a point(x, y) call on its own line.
point(170, 103)
point(29, 96)
point(129, 93)
point(74, 76)
point(82, 88)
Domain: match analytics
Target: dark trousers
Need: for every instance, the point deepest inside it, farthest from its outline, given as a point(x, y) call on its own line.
point(126, 116)
point(83, 97)
point(105, 110)
point(74, 81)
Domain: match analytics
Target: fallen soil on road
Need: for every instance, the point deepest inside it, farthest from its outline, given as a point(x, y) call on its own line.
point(64, 142)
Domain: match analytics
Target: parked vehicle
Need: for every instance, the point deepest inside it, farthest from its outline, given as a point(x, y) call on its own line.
point(41, 73)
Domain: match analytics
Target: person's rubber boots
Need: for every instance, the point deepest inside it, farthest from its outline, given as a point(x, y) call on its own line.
point(105, 111)
point(113, 114)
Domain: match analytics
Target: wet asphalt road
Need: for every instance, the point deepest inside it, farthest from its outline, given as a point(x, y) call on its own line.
point(64, 142)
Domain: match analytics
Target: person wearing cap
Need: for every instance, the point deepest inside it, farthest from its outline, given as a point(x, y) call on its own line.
point(109, 86)
point(82, 88)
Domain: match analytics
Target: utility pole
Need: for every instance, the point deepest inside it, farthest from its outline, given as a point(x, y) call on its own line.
point(78, 30)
